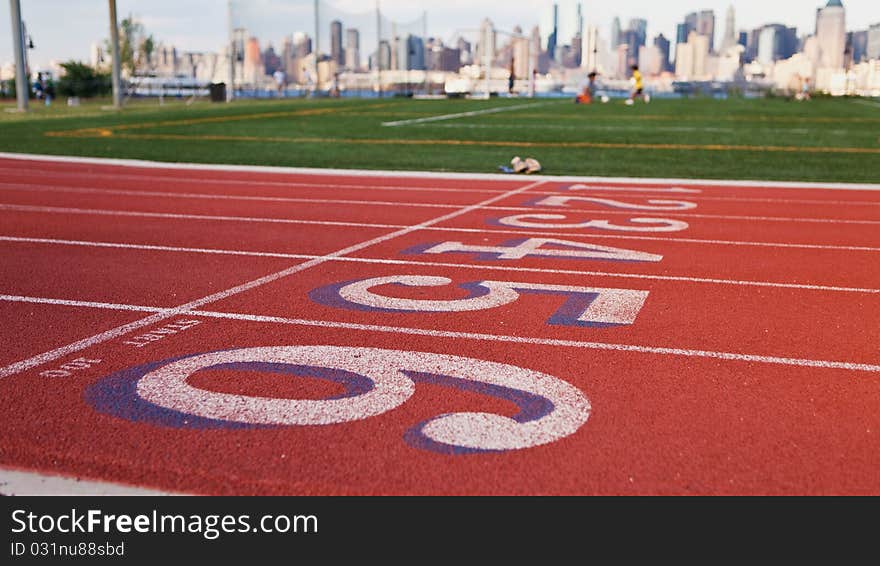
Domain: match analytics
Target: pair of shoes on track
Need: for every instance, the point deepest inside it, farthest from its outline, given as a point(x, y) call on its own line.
point(528, 165)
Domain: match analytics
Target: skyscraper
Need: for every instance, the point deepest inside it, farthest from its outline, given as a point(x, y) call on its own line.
point(552, 39)
point(662, 45)
point(703, 23)
point(336, 53)
point(706, 26)
point(615, 33)
point(775, 42)
point(873, 47)
point(352, 49)
point(831, 34)
point(730, 37)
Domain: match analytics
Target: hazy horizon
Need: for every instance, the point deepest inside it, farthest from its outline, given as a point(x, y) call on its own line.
point(63, 30)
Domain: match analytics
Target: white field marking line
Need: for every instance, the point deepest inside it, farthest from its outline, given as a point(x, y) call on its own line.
point(520, 232)
point(483, 112)
point(185, 308)
point(171, 215)
point(652, 128)
point(379, 175)
point(533, 210)
point(478, 267)
point(202, 181)
point(26, 187)
point(526, 340)
point(23, 483)
point(871, 103)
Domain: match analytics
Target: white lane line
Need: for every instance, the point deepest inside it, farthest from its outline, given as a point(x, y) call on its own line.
point(27, 187)
point(23, 483)
point(103, 212)
point(535, 210)
point(182, 309)
point(86, 304)
point(412, 263)
point(852, 366)
point(380, 176)
point(483, 112)
point(43, 175)
point(596, 190)
point(206, 196)
point(57, 210)
point(731, 356)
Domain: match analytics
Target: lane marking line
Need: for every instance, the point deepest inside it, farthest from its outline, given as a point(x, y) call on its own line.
point(211, 251)
point(249, 183)
point(685, 352)
point(596, 190)
point(51, 355)
point(34, 187)
point(442, 117)
point(382, 174)
point(51, 210)
point(535, 210)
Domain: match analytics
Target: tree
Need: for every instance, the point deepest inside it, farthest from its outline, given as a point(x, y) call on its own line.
point(135, 47)
point(83, 81)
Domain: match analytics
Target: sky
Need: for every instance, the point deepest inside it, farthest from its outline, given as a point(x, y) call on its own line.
point(65, 29)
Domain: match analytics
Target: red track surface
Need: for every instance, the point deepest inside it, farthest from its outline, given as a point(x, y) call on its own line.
point(751, 368)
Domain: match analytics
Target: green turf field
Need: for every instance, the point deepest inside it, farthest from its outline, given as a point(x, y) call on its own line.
point(773, 139)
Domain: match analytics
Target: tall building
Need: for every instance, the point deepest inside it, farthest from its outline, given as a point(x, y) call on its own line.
point(857, 46)
point(650, 60)
point(336, 52)
point(552, 39)
point(702, 23)
point(590, 49)
point(692, 57)
point(662, 45)
point(706, 26)
point(639, 28)
point(253, 62)
point(352, 49)
point(615, 33)
point(873, 46)
point(730, 36)
point(775, 42)
point(831, 34)
point(302, 45)
point(487, 45)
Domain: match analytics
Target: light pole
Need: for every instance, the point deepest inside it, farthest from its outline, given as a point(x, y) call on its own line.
point(230, 88)
point(21, 79)
point(114, 46)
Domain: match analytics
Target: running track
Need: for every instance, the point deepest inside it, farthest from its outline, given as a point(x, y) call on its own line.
point(248, 331)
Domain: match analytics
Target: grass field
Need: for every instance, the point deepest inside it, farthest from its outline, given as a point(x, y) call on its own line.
point(771, 139)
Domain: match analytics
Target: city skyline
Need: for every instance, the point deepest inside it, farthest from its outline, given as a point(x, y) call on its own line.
point(68, 30)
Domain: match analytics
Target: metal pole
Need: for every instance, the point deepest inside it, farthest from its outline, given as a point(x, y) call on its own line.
point(230, 88)
point(114, 43)
point(21, 79)
point(487, 58)
point(317, 36)
point(379, 48)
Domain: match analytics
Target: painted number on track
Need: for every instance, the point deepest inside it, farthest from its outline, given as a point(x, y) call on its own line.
point(549, 408)
point(584, 306)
